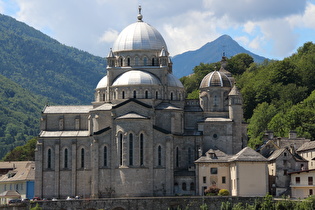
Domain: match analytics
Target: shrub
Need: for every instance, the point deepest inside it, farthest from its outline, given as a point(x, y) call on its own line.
point(212, 191)
point(224, 192)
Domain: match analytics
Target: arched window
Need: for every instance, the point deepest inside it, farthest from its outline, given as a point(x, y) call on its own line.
point(49, 158)
point(146, 94)
point(156, 95)
point(171, 95)
point(134, 94)
point(145, 61)
point(137, 61)
point(123, 95)
point(184, 187)
point(189, 156)
point(177, 157)
point(159, 155)
point(128, 61)
point(153, 63)
point(82, 157)
point(131, 149)
point(65, 158)
point(103, 97)
point(105, 156)
point(121, 61)
point(120, 149)
point(141, 150)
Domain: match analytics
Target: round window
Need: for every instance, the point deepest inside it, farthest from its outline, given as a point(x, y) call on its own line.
point(215, 136)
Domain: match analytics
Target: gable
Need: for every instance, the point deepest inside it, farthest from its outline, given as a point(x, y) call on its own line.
point(131, 109)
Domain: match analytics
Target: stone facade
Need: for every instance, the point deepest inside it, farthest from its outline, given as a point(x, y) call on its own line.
point(140, 137)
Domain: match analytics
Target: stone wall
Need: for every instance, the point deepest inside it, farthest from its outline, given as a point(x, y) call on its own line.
point(142, 203)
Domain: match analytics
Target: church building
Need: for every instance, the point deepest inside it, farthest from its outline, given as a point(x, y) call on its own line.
point(140, 136)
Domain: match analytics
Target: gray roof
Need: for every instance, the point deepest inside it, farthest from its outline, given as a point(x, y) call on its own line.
point(64, 134)
point(220, 157)
point(307, 146)
point(67, 109)
point(276, 154)
point(217, 119)
point(245, 155)
point(132, 115)
point(235, 91)
point(21, 171)
point(296, 142)
point(248, 154)
point(104, 107)
point(169, 106)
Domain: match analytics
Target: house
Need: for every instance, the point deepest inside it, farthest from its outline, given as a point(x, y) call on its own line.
point(302, 183)
point(307, 151)
point(243, 174)
point(281, 163)
point(17, 176)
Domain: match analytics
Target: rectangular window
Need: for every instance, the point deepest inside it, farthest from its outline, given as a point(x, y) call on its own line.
point(285, 172)
point(214, 170)
point(310, 180)
point(311, 192)
point(223, 180)
point(297, 180)
point(204, 179)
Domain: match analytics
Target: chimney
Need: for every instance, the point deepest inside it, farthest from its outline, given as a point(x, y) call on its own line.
point(292, 135)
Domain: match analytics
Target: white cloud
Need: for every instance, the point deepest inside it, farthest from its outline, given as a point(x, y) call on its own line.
point(304, 20)
point(255, 10)
point(281, 34)
point(109, 36)
point(249, 27)
point(92, 25)
point(256, 43)
point(243, 40)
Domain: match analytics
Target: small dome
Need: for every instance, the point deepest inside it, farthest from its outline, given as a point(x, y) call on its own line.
point(136, 77)
point(102, 83)
point(215, 79)
point(139, 36)
point(172, 81)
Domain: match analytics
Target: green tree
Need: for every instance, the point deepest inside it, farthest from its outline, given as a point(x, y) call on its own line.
point(259, 122)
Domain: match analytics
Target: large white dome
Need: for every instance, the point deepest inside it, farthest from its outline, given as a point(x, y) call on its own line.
point(139, 36)
point(102, 83)
point(136, 77)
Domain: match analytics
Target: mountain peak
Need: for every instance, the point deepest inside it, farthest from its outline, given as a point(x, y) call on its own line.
point(209, 53)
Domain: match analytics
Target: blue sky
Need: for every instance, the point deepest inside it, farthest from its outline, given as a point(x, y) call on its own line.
point(273, 29)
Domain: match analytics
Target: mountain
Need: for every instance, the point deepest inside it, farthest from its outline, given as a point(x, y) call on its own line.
point(44, 66)
point(19, 115)
point(34, 70)
point(211, 52)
